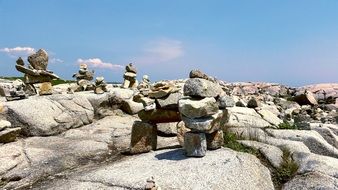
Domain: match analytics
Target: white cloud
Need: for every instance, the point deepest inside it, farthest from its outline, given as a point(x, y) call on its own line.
point(18, 51)
point(98, 63)
point(162, 50)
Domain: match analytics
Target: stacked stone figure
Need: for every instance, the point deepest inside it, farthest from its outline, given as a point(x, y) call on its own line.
point(160, 111)
point(84, 79)
point(100, 85)
point(144, 86)
point(37, 72)
point(200, 113)
point(129, 76)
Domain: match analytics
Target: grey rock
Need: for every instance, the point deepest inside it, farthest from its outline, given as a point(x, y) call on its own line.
point(131, 107)
point(169, 102)
point(253, 103)
point(4, 124)
point(167, 129)
point(222, 169)
point(272, 153)
point(205, 124)
point(226, 101)
point(159, 116)
point(197, 87)
point(307, 98)
point(195, 144)
point(312, 139)
point(269, 117)
point(143, 137)
point(312, 181)
point(196, 108)
point(244, 117)
point(49, 115)
point(181, 130)
point(9, 134)
point(215, 140)
point(309, 162)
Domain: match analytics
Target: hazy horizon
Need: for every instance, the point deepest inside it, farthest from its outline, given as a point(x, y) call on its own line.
point(289, 42)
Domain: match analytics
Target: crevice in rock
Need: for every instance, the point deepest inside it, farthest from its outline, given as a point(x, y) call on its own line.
point(27, 158)
point(109, 184)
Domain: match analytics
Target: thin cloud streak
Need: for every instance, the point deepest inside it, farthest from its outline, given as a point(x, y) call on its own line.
point(161, 51)
point(18, 51)
point(98, 63)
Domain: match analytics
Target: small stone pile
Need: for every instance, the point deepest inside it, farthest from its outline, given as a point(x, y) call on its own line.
point(100, 85)
point(14, 90)
point(200, 113)
point(129, 76)
point(144, 86)
point(83, 79)
point(37, 72)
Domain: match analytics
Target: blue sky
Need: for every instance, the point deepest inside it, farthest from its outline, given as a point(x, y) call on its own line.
point(293, 42)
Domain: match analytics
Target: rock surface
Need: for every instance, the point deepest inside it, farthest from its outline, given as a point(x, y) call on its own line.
point(197, 87)
point(49, 115)
point(222, 169)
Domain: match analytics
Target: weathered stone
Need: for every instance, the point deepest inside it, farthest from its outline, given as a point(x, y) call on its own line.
point(159, 93)
point(195, 144)
point(159, 116)
point(170, 102)
point(129, 75)
point(9, 134)
point(253, 103)
point(241, 103)
point(131, 107)
point(207, 124)
point(196, 108)
point(131, 68)
point(215, 140)
point(306, 99)
point(272, 153)
point(226, 101)
point(181, 130)
point(46, 88)
point(312, 139)
point(49, 115)
point(199, 74)
point(269, 117)
point(313, 181)
point(100, 86)
point(197, 87)
point(39, 60)
point(218, 170)
point(4, 124)
point(244, 117)
point(167, 129)
point(143, 137)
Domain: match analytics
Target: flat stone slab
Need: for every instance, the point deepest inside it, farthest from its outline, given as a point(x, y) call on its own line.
point(218, 170)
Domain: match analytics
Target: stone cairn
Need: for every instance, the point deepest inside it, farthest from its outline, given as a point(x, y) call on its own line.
point(14, 90)
point(160, 107)
point(100, 85)
point(37, 72)
point(200, 113)
point(84, 79)
point(129, 76)
point(198, 109)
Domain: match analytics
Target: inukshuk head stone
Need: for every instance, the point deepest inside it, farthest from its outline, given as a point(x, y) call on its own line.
point(39, 60)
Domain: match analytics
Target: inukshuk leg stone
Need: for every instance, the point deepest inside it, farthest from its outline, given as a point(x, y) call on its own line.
point(195, 144)
point(143, 137)
point(215, 140)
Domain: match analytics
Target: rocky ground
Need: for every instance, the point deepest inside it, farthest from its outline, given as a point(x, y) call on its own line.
point(276, 137)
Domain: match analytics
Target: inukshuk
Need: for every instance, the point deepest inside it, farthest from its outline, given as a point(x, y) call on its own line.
point(129, 76)
point(37, 72)
point(200, 113)
point(83, 79)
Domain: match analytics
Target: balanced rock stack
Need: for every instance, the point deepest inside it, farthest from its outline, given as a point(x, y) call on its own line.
point(200, 113)
point(129, 76)
point(84, 79)
point(37, 72)
point(160, 113)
